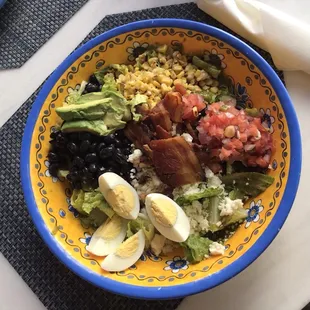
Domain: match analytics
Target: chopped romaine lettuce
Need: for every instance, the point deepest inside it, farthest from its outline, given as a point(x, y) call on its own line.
point(239, 215)
point(85, 202)
point(196, 248)
point(95, 218)
point(214, 213)
point(189, 193)
point(137, 100)
point(250, 183)
point(76, 94)
point(141, 222)
point(204, 193)
point(236, 194)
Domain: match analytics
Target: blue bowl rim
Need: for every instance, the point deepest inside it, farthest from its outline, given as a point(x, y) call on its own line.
point(181, 290)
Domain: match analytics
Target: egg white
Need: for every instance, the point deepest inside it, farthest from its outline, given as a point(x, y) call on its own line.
point(114, 262)
point(179, 232)
point(101, 246)
point(108, 181)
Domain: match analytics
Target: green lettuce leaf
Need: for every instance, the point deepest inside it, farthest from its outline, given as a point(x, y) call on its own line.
point(95, 218)
point(85, 202)
point(137, 100)
point(196, 248)
point(142, 222)
point(250, 183)
point(204, 193)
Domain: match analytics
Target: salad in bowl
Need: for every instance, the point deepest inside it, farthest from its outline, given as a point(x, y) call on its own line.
point(160, 155)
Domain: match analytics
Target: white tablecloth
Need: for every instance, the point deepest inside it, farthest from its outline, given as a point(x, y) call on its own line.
point(280, 278)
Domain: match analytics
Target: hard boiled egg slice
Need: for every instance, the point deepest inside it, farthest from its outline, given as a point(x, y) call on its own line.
point(120, 195)
point(107, 238)
point(126, 254)
point(167, 217)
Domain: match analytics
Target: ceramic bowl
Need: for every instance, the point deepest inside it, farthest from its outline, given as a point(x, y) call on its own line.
point(167, 276)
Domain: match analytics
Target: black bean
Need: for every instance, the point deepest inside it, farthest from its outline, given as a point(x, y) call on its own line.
point(92, 79)
point(75, 176)
point(78, 162)
point(53, 169)
point(107, 152)
point(77, 185)
point(91, 88)
point(74, 136)
point(72, 147)
point(84, 146)
point(93, 147)
point(94, 183)
point(69, 177)
point(101, 170)
point(86, 172)
point(53, 157)
point(118, 143)
point(93, 168)
point(120, 158)
point(91, 158)
point(108, 140)
point(100, 146)
point(127, 151)
point(85, 136)
point(54, 134)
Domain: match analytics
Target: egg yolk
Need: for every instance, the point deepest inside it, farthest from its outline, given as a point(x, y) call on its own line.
point(121, 200)
point(164, 211)
point(128, 247)
point(111, 228)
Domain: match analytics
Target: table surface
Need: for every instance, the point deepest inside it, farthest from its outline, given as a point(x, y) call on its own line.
point(278, 279)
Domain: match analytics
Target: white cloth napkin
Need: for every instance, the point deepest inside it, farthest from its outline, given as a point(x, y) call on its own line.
point(285, 36)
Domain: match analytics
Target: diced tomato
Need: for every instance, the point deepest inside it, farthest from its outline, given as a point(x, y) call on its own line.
point(192, 102)
point(180, 88)
point(249, 130)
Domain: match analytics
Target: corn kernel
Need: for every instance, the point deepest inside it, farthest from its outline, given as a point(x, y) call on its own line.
point(214, 89)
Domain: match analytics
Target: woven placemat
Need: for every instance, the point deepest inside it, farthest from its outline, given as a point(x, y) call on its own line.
point(56, 286)
point(25, 25)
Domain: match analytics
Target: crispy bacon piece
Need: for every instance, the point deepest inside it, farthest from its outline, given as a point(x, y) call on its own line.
point(160, 116)
point(135, 133)
point(173, 103)
point(161, 133)
point(175, 162)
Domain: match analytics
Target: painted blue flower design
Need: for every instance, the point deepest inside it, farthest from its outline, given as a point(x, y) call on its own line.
point(85, 239)
point(267, 119)
point(176, 264)
point(253, 214)
point(71, 208)
point(241, 93)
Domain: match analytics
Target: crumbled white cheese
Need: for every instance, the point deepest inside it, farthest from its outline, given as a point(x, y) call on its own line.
point(216, 248)
point(146, 181)
point(189, 189)
point(228, 206)
point(135, 157)
point(157, 244)
point(198, 217)
point(218, 224)
point(213, 180)
point(188, 138)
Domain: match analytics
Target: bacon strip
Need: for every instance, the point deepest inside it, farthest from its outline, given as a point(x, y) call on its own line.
point(175, 162)
point(135, 133)
point(173, 103)
point(160, 116)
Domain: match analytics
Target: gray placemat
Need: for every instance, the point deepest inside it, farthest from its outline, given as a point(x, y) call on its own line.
point(25, 25)
point(56, 286)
